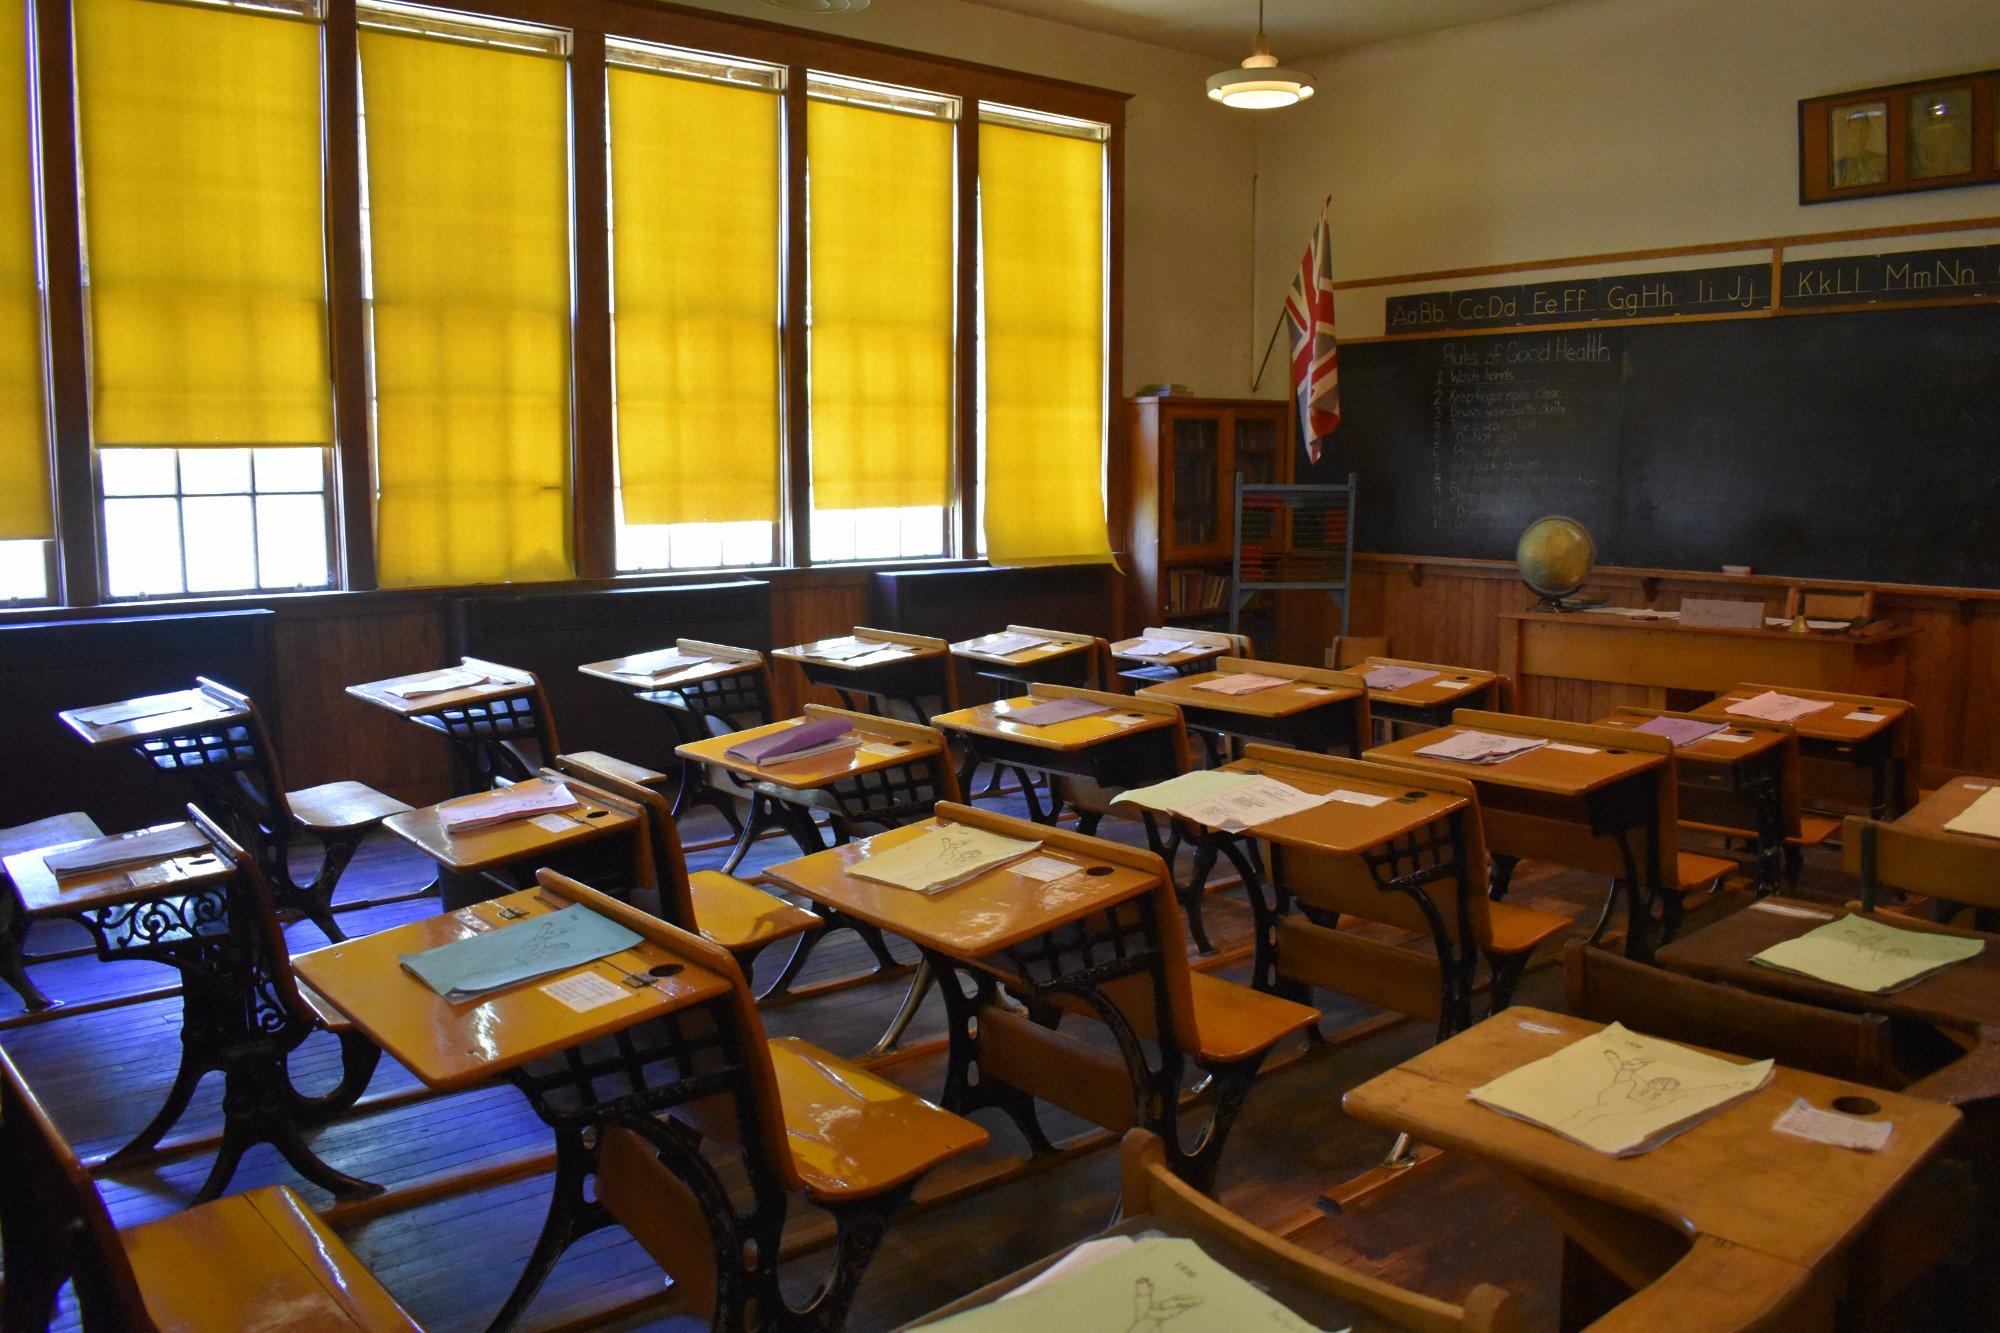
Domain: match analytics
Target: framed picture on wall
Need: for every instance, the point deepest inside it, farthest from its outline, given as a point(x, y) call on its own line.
point(1907, 136)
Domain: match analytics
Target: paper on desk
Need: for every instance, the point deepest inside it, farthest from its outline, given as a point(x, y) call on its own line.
point(1006, 645)
point(124, 849)
point(586, 991)
point(839, 650)
point(655, 665)
point(1481, 747)
point(1080, 1257)
point(1160, 1283)
point(1981, 818)
point(436, 682)
point(1864, 955)
point(1045, 869)
point(153, 705)
point(1260, 800)
point(1176, 794)
point(1357, 797)
point(1803, 1120)
point(1241, 682)
point(1680, 730)
point(894, 652)
point(1396, 677)
point(523, 800)
point(1620, 1093)
point(1775, 707)
point(1155, 647)
point(1054, 711)
point(554, 942)
point(942, 858)
point(815, 736)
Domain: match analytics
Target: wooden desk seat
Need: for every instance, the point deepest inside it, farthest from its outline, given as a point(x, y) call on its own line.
point(14, 922)
point(1231, 1021)
point(605, 766)
point(255, 1260)
point(342, 807)
point(854, 1135)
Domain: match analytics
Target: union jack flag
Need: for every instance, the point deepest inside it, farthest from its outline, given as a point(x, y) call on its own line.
point(1315, 354)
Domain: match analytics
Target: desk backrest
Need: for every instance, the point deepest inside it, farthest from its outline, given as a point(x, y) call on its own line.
point(1958, 868)
point(1160, 904)
point(1345, 884)
point(1605, 988)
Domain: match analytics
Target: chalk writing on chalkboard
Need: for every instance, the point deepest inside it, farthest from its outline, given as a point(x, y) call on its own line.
point(1914, 275)
point(1737, 288)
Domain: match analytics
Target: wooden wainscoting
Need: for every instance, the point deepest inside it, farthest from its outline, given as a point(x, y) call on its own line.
point(1448, 610)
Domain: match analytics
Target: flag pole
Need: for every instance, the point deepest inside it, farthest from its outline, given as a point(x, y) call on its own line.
point(1275, 330)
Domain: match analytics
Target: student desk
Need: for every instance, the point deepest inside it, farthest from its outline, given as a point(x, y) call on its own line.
point(14, 921)
point(1727, 1225)
point(1867, 732)
point(1207, 647)
point(498, 728)
point(909, 678)
point(1580, 807)
point(1067, 659)
point(1130, 746)
point(184, 911)
point(1428, 703)
point(1743, 778)
point(711, 698)
point(1661, 657)
point(1315, 709)
point(1104, 941)
point(578, 1070)
point(524, 846)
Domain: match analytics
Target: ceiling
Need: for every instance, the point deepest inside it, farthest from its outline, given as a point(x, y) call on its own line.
point(1299, 29)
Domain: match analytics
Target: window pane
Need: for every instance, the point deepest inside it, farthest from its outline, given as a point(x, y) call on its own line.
point(24, 571)
point(291, 541)
point(136, 471)
point(221, 545)
point(142, 543)
point(215, 471)
point(291, 469)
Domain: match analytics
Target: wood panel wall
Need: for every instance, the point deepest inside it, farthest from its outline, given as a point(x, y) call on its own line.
point(1448, 610)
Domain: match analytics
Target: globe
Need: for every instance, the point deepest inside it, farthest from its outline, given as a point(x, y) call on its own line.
point(1555, 556)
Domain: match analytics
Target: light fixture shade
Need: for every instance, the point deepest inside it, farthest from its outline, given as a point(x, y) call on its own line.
point(1260, 87)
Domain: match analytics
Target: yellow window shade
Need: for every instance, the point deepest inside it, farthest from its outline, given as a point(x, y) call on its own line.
point(468, 189)
point(882, 274)
point(24, 440)
point(695, 187)
point(200, 130)
point(1041, 199)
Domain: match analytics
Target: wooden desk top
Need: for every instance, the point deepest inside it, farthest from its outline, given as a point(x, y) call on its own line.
point(500, 683)
point(717, 667)
point(1305, 689)
point(1201, 652)
point(1449, 686)
point(1601, 619)
point(1962, 997)
point(880, 747)
point(1947, 803)
point(195, 707)
point(919, 647)
point(999, 909)
point(1060, 645)
point(1339, 827)
point(1828, 724)
point(42, 894)
point(1730, 1177)
point(1080, 733)
point(453, 1046)
point(1752, 742)
point(516, 840)
point(1556, 772)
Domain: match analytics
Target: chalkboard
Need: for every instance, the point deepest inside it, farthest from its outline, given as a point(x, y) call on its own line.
point(1846, 446)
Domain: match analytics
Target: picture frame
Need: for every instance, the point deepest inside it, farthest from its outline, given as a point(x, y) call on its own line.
point(1897, 138)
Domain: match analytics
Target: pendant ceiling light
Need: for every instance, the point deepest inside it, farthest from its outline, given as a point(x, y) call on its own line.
point(1260, 83)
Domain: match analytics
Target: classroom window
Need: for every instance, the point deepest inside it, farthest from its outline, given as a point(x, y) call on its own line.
point(697, 232)
point(181, 521)
point(466, 144)
point(1043, 302)
point(24, 571)
point(882, 274)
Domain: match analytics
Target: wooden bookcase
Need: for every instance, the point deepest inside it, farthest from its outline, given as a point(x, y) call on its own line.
point(1185, 454)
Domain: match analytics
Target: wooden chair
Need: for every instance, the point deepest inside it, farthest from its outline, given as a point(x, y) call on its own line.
point(1330, 1295)
point(1605, 988)
point(1433, 886)
point(854, 1143)
point(1855, 605)
point(1351, 650)
point(14, 923)
point(721, 908)
point(235, 769)
point(256, 1260)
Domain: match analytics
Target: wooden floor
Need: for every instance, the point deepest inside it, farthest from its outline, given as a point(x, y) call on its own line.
point(467, 1174)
